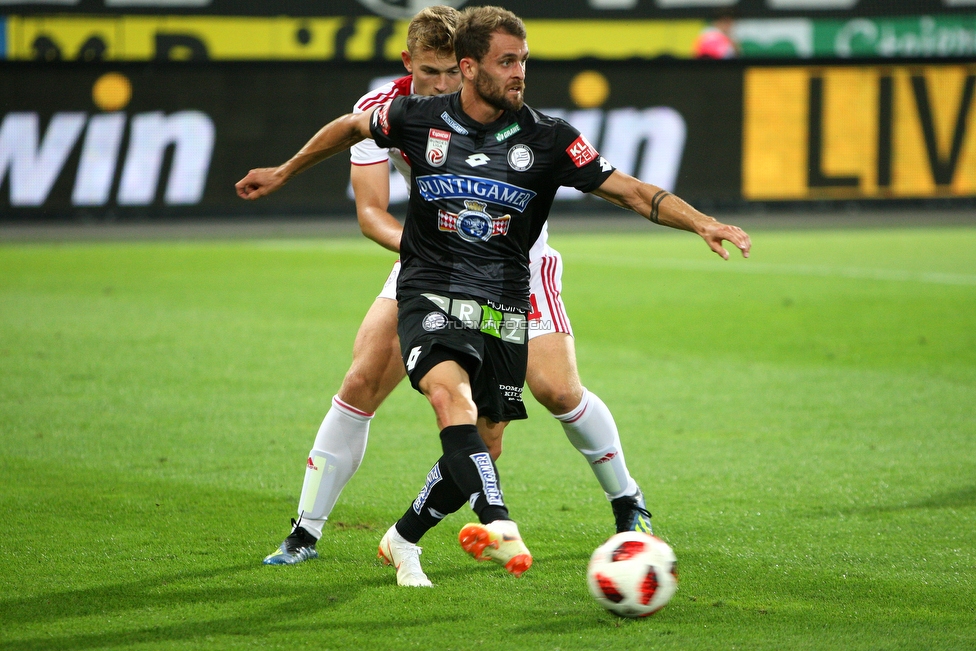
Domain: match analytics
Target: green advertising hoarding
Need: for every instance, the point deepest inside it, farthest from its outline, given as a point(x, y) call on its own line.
point(909, 36)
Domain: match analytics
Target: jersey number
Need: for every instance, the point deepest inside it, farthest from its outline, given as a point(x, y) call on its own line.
point(535, 314)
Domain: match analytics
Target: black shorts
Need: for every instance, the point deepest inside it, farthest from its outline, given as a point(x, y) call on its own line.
point(489, 344)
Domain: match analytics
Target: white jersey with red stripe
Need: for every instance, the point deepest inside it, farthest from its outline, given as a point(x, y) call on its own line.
point(366, 152)
point(545, 264)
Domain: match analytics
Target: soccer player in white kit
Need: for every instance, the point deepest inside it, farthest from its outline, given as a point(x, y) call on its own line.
point(377, 366)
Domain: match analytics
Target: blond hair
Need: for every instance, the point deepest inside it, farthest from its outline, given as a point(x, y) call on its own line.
point(433, 29)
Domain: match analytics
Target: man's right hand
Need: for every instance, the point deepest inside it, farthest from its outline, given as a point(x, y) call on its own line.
point(259, 183)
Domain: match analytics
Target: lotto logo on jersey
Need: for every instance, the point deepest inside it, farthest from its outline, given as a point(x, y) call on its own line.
point(581, 151)
point(437, 144)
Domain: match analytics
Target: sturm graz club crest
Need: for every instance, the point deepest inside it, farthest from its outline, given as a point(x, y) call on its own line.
point(520, 158)
point(434, 321)
point(405, 9)
point(473, 224)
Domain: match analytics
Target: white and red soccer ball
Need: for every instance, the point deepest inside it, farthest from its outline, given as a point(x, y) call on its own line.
point(633, 574)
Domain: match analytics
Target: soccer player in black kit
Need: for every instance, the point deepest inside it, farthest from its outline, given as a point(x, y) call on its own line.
point(484, 171)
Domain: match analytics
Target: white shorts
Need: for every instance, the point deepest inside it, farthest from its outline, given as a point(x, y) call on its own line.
point(389, 287)
point(546, 285)
point(548, 313)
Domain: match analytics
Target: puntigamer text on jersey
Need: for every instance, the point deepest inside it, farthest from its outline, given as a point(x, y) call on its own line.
point(452, 186)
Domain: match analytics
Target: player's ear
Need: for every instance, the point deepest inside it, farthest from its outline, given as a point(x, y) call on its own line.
point(469, 67)
point(407, 61)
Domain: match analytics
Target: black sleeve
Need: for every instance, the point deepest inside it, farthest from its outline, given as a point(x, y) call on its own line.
point(578, 164)
point(386, 124)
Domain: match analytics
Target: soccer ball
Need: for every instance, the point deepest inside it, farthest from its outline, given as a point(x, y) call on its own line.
point(633, 574)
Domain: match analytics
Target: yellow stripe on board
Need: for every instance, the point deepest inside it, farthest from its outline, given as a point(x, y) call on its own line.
point(611, 39)
point(140, 38)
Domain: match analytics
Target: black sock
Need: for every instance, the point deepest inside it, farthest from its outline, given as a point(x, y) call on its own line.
point(466, 458)
point(494, 513)
point(439, 497)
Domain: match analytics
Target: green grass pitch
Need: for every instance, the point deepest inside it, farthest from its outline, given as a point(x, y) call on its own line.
point(802, 423)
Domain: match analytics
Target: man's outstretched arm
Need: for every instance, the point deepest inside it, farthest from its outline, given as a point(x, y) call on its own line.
point(338, 135)
point(662, 207)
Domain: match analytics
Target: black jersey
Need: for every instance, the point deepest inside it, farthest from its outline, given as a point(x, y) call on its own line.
point(479, 193)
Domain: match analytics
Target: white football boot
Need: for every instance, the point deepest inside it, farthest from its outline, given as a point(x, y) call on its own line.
point(405, 557)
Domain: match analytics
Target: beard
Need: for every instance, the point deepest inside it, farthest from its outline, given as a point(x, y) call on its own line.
point(495, 95)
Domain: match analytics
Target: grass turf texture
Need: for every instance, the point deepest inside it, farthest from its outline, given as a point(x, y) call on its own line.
point(801, 423)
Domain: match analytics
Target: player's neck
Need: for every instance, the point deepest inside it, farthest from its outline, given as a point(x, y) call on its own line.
point(476, 108)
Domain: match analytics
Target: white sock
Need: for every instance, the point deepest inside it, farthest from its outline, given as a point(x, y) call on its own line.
point(341, 440)
point(591, 429)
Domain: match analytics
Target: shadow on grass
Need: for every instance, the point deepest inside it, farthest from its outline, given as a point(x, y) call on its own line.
point(130, 600)
point(957, 499)
point(263, 609)
point(113, 598)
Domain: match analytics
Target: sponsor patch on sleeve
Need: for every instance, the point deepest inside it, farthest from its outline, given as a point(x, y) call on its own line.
point(581, 151)
point(382, 118)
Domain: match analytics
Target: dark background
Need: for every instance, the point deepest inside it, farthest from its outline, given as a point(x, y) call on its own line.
point(265, 112)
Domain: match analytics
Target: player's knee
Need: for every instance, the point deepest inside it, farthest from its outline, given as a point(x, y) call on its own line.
point(495, 450)
point(493, 441)
point(361, 390)
point(491, 433)
point(451, 407)
point(558, 397)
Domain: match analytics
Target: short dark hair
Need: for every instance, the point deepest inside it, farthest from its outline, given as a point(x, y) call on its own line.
point(477, 24)
point(433, 29)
